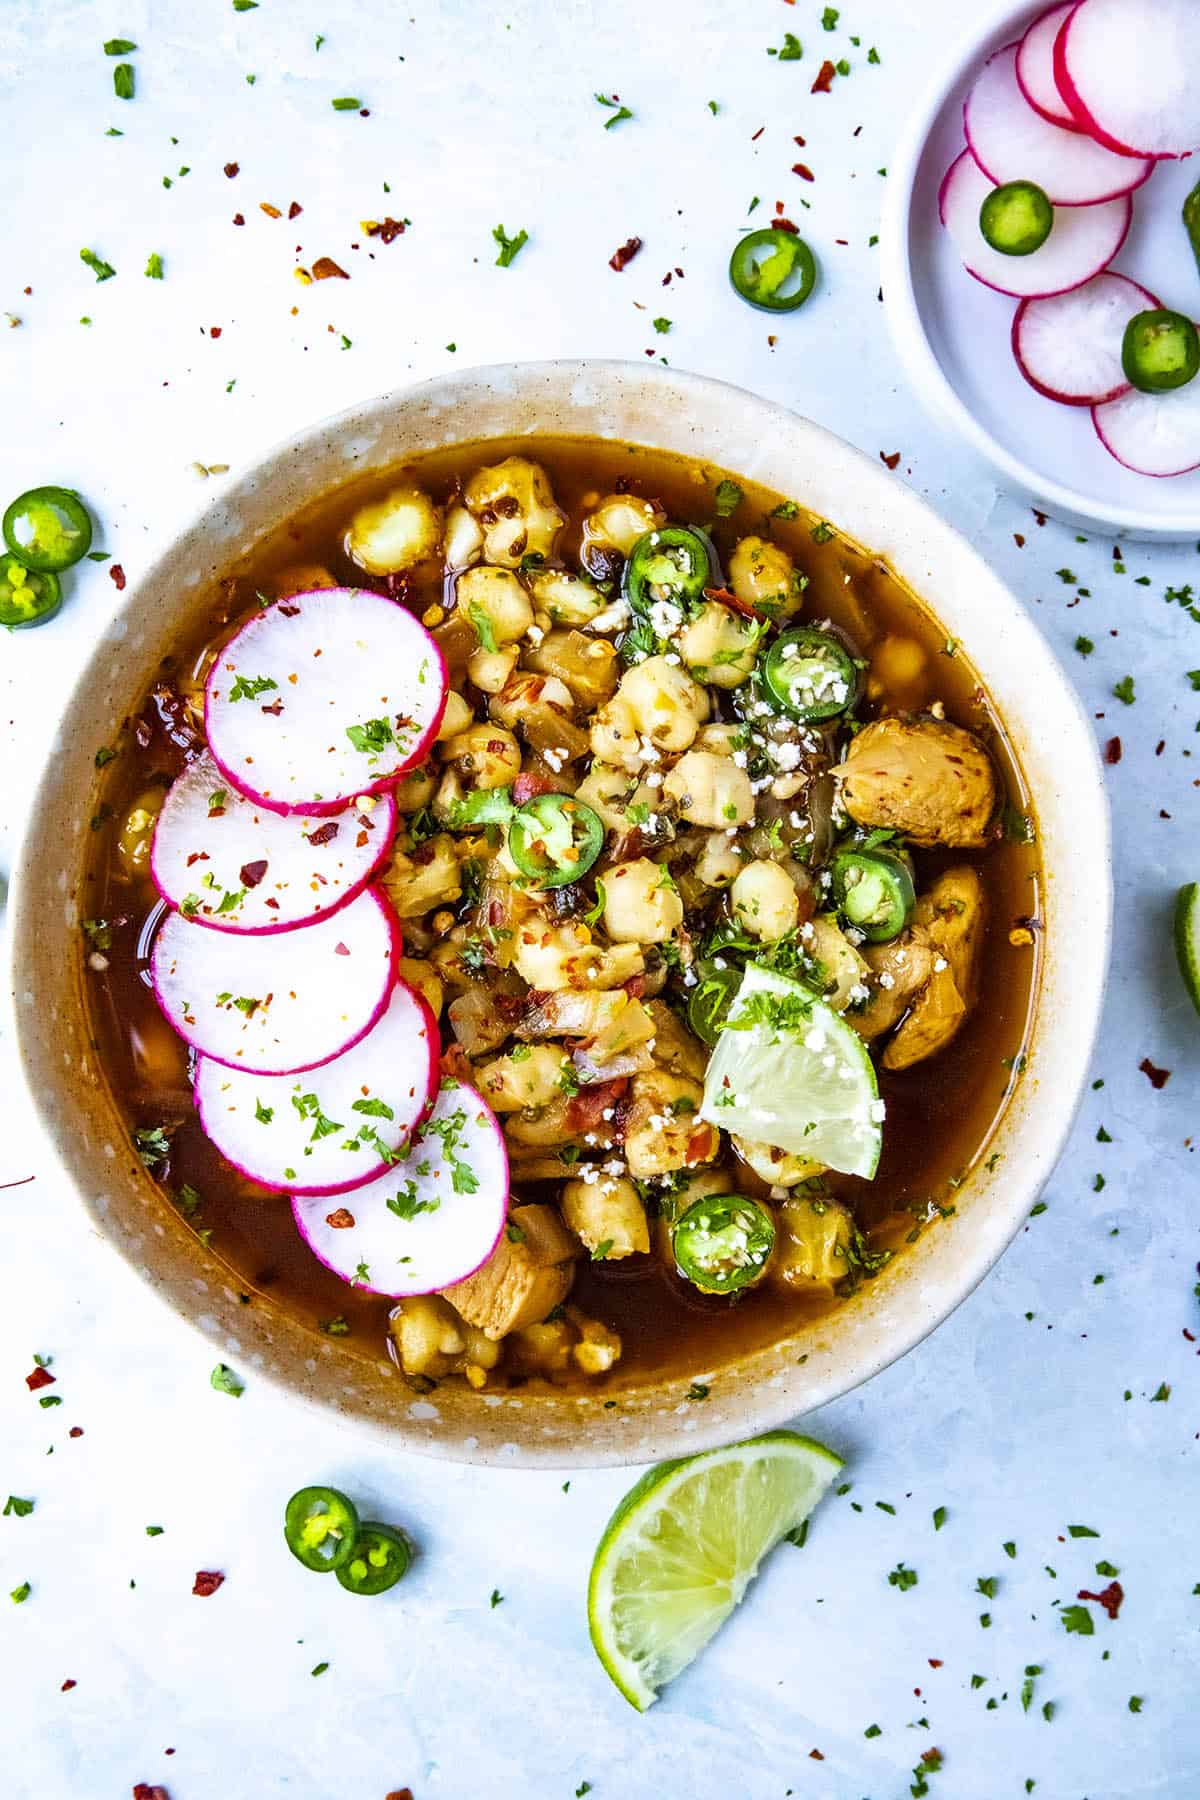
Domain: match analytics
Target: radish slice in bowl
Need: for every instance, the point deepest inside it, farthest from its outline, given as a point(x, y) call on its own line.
point(331, 1128)
point(1152, 434)
point(1012, 142)
point(1034, 67)
point(1127, 70)
point(323, 697)
point(1083, 239)
point(227, 862)
point(432, 1219)
point(280, 1003)
point(1068, 346)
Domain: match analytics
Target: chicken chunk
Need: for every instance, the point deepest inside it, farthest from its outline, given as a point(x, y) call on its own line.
point(923, 777)
point(951, 918)
point(812, 1241)
point(899, 971)
point(527, 1275)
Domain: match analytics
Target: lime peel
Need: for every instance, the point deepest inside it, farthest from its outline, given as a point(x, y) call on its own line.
point(684, 1545)
point(1187, 939)
point(801, 1079)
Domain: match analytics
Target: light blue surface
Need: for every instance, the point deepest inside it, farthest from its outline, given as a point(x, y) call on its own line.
point(1013, 1416)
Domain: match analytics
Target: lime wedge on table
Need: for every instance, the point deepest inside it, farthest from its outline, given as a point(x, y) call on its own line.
point(1187, 939)
point(684, 1545)
point(789, 1071)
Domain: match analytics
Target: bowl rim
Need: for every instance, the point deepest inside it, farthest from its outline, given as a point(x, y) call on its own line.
point(907, 324)
point(772, 1403)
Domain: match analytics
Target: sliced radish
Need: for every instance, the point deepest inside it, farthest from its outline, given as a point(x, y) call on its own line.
point(331, 1128)
point(1083, 239)
point(1068, 346)
point(1127, 70)
point(276, 1004)
point(228, 862)
point(1012, 142)
point(432, 1219)
point(323, 697)
point(1034, 67)
point(1152, 434)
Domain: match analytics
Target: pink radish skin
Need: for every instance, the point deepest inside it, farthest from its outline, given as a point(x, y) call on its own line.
point(449, 1234)
point(1082, 241)
point(1012, 142)
point(316, 992)
point(257, 1125)
point(1034, 67)
point(210, 842)
point(1152, 434)
point(1068, 347)
point(336, 659)
point(1127, 70)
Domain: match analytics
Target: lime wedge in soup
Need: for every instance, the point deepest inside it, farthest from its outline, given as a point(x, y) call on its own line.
point(788, 1070)
point(684, 1545)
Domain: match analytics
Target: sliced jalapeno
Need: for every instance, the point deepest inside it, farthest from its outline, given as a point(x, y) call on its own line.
point(1160, 351)
point(811, 674)
point(378, 1558)
point(321, 1527)
point(27, 596)
point(711, 999)
point(672, 564)
point(774, 270)
point(554, 839)
point(1016, 219)
point(723, 1243)
point(48, 528)
point(873, 891)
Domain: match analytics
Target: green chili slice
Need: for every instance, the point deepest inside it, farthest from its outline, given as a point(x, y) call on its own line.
point(1160, 351)
point(378, 1558)
point(711, 998)
point(772, 269)
point(27, 597)
point(873, 891)
point(673, 564)
point(48, 529)
point(1191, 221)
point(321, 1528)
point(554, 839)
point(811, 674)
point(723, 1243)
point(1016, 219)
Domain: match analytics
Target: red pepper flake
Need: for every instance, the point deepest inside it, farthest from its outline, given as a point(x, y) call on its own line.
point(935, 1662)
point(387, 230)
point(1160, 746)
point(782, 224)
point(824, 80)
point(340, 1219)
point(1158, 1078)
point(1109, 1598)
point(1112, 750)
point(817, 1755)
point(39, 1379)
point(324, 834)
point(67, 1686)
point(207, 1582)
point(214, 331)
point(891, 461)
point(275, 708)
point(803, 171)
point(295, 209)
point(399, 1794)
point(117, 576)
point(75, 1431)
point(758, 134)
point(325, 269)
point(272, 212)
point(620, 259)
point(341, 949)
point(232, 169)
point(1019, 539)
point(801, 141)
point(251, 873)
point(1039, 516)
point(272, 902)
point(143, 1791)
point(239, 219)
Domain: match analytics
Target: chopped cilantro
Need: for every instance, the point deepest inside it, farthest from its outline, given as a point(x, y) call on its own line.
point(20, 1594)
point(496, 1597)
point(1123, 690)
point(154, 266)
point(347, 103)
point(119, 46)
point(1078, 1531)
point(123, 81)
point(728, 498)
point(372, 737)
point(829, 18)
point(153, 1145)
point(510, 247)
point(619, 112)
point(1077, 1619)
point(662, 326)
point(102, 270)
point(248, 687)
point(792, 49)
point(939, 1517)
point(902, 1578)
point(225, 1381)
point(1084, 645)
point(18, 1508)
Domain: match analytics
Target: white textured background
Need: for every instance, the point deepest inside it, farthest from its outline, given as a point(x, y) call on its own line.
point(1029, 1411)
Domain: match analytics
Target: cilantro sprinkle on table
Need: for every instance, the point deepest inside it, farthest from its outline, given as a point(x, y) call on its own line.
point(103, 271)
point(225, 1381)
point(510, 247)
point(119, 46)
point(123, 81)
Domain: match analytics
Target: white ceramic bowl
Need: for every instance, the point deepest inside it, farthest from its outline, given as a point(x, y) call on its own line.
point(952, 333)
point(736, 431)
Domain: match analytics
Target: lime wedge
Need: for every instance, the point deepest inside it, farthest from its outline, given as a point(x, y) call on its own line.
point(685, 1544)
point(789, 1071)
point(1187, 939)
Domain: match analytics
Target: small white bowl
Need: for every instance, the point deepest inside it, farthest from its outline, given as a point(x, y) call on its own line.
point(952, 333)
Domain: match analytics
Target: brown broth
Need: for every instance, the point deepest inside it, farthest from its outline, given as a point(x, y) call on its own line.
point(940, 1115)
